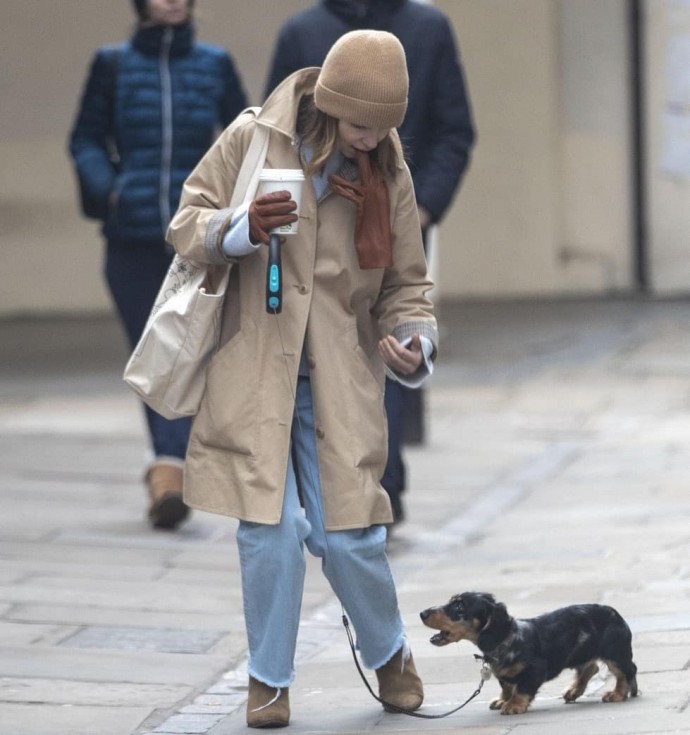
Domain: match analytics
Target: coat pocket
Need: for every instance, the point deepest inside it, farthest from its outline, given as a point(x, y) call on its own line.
point(228, 418)
point(363, 406)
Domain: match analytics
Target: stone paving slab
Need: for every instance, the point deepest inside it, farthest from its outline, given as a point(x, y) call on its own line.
point(130, 638)
point(651, 724)
point(116, 593)
point(79, 615)
point(20, 634)
point(96, 693)
point(32, 719)
point(96, 555)
point(113, 666)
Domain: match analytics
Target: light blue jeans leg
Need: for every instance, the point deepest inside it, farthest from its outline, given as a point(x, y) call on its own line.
point(353, 561)
point(273, 566)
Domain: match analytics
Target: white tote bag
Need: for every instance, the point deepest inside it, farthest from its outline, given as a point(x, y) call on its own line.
point(168, 366)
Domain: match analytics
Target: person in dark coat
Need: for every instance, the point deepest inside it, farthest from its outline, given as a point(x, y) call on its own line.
point(150, 109)
point(437, 135)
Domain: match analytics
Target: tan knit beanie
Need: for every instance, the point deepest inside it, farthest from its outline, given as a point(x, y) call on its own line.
point(364, 80)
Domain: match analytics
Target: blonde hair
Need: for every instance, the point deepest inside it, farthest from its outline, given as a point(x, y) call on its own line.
point(319, 132)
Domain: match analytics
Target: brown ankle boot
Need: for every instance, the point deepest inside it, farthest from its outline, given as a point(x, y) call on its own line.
point(166, 508)
point(399, 683)
point(267, 706)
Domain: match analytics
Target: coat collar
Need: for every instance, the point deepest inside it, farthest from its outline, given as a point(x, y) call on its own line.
point(149, 40)
point(279, 111)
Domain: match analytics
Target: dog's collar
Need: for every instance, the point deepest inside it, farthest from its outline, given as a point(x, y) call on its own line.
point(495, 655)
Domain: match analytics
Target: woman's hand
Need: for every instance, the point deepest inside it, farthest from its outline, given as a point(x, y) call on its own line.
point(268, 211)
point(403, 360)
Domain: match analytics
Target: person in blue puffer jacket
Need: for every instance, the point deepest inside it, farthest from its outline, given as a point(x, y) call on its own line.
point(150, 109)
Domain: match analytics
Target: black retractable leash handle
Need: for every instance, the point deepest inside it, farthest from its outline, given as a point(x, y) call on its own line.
point(274, 277)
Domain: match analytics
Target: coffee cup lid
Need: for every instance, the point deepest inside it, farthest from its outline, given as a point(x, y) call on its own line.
point(281, 174)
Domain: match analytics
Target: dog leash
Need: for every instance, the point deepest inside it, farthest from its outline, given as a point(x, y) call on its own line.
point(274, 306)
point(485, 675)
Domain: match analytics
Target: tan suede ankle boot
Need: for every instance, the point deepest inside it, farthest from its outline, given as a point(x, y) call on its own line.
point(267, 706)
point(166, 507)
point(399, 683)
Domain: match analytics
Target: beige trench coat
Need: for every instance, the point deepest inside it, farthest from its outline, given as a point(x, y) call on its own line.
point(238, 451)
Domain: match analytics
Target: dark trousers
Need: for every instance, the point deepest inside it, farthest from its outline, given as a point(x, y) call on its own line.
point(393, 479)
point(134, 275)
point(405, 413)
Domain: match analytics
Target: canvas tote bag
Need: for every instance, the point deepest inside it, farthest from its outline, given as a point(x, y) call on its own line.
point(168, 366)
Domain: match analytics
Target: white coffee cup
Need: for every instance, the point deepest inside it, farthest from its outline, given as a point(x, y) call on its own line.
point(283, 179)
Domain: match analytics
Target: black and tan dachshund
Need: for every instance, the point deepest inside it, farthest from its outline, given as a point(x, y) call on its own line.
point(523, 654)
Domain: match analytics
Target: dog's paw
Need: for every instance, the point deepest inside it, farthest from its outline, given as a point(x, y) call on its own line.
point(496, 703)
point(572, 693)
point(613, 696)
point(515, 706)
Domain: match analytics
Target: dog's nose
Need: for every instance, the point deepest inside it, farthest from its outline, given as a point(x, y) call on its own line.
point(425, 613)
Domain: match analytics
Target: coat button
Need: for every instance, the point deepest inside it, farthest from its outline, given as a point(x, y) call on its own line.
point(320, 433)
point(311, 362)
point(303, 288)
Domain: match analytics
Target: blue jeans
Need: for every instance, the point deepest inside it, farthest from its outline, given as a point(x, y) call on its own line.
point(134, 274)
point(273, 567)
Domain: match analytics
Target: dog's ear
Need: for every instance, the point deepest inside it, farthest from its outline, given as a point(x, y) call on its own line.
point(490, 599)
point(500, 614)
point(481, 608)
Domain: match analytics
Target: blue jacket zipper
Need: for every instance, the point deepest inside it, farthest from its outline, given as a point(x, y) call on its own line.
point(167, 129)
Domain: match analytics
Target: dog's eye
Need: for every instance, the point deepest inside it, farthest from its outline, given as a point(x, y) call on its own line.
point(457, 609)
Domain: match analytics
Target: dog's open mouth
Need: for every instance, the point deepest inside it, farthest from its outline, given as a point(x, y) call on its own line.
point(441, 638)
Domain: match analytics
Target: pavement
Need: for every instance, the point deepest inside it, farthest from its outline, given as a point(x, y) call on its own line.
point(555, 471)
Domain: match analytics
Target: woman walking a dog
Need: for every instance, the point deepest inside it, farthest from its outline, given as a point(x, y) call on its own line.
point(290, 437)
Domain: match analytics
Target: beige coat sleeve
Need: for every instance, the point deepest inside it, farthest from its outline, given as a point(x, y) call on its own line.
point(403, 307)
point(204, 215)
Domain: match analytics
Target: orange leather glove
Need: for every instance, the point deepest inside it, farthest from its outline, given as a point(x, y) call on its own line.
point(268, 211)
point(372, 223)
